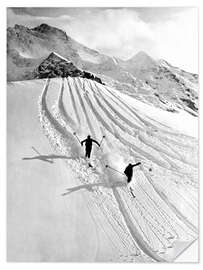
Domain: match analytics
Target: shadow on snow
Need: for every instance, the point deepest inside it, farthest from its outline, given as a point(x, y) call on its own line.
point(46, 158)
point(90, 187)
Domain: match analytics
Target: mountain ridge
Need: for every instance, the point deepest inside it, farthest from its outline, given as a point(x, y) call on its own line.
point(154, 82)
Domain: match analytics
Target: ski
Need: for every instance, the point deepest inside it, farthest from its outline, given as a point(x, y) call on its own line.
point(131, 192)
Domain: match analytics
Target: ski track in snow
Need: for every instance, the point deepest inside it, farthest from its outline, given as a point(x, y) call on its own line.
point(141, 229)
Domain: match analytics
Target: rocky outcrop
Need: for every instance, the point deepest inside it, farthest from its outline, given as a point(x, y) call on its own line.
point(57, 66)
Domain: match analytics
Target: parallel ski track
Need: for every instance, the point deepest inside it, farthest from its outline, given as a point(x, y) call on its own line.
point(173, 165)
point(122, 140)
point(111, 223)
point(150, 222)
point(82, 104)
point(123, 128)
point(148, 124)
point(69, 121)
point(170, 204)
point(48, 121)
point(141, 138)
point(74, 104)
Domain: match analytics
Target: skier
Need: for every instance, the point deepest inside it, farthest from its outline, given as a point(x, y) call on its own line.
point(88, 145)
point(129, 171)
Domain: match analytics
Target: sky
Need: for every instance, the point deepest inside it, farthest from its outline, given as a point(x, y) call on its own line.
point(166, 33)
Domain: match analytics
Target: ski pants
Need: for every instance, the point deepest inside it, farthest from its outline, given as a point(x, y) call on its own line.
point(88, 152)
point(129, 178)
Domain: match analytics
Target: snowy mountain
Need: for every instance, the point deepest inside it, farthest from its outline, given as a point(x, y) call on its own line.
point(60, 209)
point(169, 84)
point(37, 43)
point(141, 61)
point(152, 81)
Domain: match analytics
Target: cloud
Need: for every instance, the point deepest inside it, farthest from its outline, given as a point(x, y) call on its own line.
point(118, 32)
point(32, 21)
point(177, 39)
point(168, 33)
point(123, 32)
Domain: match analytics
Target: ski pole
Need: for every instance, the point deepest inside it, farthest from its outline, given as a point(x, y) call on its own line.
point(35, 150)
point(74, 133)
point(102, 140)
point(107, 166)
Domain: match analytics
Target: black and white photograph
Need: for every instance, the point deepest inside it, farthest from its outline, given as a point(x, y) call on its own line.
point(102, 134)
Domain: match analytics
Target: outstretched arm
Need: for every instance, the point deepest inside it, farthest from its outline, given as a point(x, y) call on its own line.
point(139, 163)
point(83, 141)
point(96, 142)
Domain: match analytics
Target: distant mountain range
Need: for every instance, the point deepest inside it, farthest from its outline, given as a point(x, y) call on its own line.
point(39, 53)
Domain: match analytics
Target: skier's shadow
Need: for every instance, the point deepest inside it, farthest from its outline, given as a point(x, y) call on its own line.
point(90, 187)
point(47, 158)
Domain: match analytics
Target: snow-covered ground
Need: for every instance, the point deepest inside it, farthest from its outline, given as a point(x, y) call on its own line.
point(181, 121)
point(59, 209)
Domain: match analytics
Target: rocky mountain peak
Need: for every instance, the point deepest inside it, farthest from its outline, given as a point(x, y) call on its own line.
point(16, 30)
point(50, 30)
point(142, 60)
point(56, 57)
point(140, 55)
point(57, 66)
point(43, 28)
point(20, 27)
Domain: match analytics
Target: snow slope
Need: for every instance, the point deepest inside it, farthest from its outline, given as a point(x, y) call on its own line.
point(162, 219)
point(40, 222)
point(182, 122)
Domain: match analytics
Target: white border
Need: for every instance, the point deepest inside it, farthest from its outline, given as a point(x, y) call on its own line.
point(76, 3)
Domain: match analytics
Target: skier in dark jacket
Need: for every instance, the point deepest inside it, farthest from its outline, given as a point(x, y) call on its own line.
point(129, 171)
point(88, 145)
